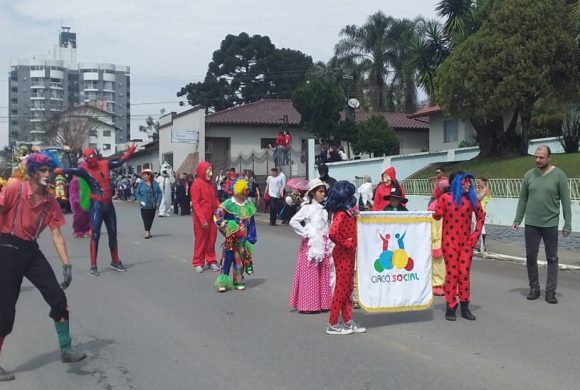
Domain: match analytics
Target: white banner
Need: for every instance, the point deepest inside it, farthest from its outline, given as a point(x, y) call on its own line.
point(394, 261)
point(180, 136)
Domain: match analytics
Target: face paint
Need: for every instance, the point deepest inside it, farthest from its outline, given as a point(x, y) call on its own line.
point(43, 181)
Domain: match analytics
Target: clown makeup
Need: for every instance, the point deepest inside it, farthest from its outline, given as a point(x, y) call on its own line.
point(42, 175)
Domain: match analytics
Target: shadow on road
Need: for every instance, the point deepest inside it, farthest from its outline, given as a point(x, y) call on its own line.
point(255, 282)
point(384, 319)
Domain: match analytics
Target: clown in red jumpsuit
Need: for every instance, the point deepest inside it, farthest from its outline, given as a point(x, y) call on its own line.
point(96, 173)
point(204, 202)
point(383, 190)
point(457, 208)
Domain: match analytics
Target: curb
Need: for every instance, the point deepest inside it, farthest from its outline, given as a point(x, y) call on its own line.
point(522, 260)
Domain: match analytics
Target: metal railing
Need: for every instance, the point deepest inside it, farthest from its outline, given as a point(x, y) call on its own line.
point(500, 188)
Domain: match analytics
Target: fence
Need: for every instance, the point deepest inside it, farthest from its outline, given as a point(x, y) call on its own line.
point(261, 162)
point(500, 188)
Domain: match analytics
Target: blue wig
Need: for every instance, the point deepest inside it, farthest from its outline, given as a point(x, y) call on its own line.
point(40, 159)
point(340, 197)
point(457, 189)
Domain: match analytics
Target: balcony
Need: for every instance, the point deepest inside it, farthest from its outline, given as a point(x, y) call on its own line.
point(38, 86)
point(56, 86)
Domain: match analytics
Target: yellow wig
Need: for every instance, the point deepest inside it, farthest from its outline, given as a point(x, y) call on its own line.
point(240, 186)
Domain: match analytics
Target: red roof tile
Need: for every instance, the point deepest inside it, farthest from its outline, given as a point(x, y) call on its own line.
point(269, 112)
point(426, 111)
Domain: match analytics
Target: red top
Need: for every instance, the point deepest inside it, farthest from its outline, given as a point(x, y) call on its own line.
point(287, 140)
point(28, 221)
point(203, 196)
point(343, 231)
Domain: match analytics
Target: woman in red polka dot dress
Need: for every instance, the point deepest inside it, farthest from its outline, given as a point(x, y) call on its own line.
point(457, 208)
point(341, 205)
point(311, 286)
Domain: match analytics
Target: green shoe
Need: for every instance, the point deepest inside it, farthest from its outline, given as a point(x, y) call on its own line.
point(71, 356)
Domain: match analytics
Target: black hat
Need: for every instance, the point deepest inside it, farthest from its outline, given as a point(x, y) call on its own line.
point(397, 194)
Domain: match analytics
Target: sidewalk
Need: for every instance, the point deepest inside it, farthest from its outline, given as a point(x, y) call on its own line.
point(503, 244)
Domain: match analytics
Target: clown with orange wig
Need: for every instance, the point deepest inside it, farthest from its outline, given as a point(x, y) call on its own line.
point(235, 220)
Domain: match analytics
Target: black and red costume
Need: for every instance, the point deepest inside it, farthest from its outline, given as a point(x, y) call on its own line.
point(457, 208)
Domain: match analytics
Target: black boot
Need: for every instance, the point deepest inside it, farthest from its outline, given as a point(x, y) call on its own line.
point(533, 294)
point(465, 313)
point(551, 298)
point(450, 313)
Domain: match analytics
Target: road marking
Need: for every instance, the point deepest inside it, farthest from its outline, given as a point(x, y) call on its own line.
point(178, 258)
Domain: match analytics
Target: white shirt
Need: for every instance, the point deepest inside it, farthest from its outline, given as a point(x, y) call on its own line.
point(366, 193)
point(275, 186)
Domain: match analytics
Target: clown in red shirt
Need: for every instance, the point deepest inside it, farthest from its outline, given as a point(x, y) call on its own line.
point(457, 208)
point(96, 173)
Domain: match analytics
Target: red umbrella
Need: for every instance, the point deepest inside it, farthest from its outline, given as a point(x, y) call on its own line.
point(297, 183)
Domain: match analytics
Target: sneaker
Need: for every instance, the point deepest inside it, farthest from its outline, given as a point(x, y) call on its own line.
point(240, 287)
point(249, 269)
point(94, 271)
point(118, 267)
point(222, 289)
point(356, 328)
point(198, 269)
point(71, 355)
point(5, 376)
point(338, 329)
point(214, 267)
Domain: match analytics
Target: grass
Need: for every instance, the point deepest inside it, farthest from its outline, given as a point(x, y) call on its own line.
point(504, 168)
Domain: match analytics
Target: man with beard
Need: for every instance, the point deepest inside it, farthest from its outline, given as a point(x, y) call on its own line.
point(26, 209)
point(543, 189)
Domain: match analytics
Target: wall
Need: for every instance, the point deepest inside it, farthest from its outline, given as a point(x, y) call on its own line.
point(465, 131)
point(405, 164)
point(193, 119)
point(500, 211)
point(413, 140)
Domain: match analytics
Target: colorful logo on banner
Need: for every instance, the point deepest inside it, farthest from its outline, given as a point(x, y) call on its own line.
point(397, 258)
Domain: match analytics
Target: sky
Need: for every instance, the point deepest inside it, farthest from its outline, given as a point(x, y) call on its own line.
point(169, 43)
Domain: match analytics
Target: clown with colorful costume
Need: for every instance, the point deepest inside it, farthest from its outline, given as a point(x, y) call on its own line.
point(457, 208)
point(96, 173)
point(235, 220)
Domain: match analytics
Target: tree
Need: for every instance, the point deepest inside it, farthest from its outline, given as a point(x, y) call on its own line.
point(526, 49)
point(71, 127)
point(319, 102)
point(570, 133)
point(151, 127)
point(377, 137)
point(246, 69)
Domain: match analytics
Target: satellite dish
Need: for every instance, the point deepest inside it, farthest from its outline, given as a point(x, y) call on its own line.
point(353, 103)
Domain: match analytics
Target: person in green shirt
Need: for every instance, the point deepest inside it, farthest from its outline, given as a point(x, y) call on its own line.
point(543, 189)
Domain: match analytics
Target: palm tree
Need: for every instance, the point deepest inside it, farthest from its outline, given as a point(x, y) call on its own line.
point(371, 42)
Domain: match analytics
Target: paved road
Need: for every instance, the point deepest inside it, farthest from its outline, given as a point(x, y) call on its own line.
point(160, 326)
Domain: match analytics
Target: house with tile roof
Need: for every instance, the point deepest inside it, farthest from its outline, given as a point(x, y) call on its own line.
point(445, 132)
point(241, 136)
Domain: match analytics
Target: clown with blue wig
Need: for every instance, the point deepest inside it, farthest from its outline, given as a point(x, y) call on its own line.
point(235, 220)
point(457, 208)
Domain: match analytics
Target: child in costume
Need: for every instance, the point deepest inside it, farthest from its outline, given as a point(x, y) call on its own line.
point(235, 220)
point(59, 184)
point(311, 286)
point(80, 204)
point(396, 200)
point(437, 261)
point(457, 208)
point(340, 205)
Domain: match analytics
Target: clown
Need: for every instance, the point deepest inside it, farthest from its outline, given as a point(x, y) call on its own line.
point(101, 209)
point(80, 204)
point(457, 208)
point(59, 187)
point(166, 181)
point(235, 220)
point(204, 202)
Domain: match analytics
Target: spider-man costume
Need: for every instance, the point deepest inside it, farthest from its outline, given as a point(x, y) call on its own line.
point(96, 173)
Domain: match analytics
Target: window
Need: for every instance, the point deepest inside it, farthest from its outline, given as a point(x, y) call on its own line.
point(450, 132)
point(106, 146)
point(146, 166)
point(208, 147)
point(106, 133)
point(264, 142)
point(92, 133)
